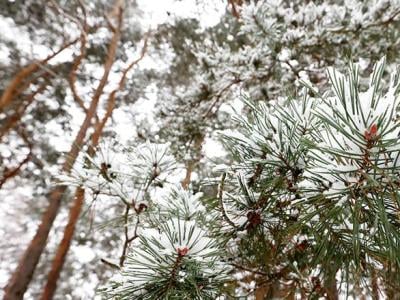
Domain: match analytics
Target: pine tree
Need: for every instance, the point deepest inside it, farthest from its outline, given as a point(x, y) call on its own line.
point(309, 205)
point(284, 220)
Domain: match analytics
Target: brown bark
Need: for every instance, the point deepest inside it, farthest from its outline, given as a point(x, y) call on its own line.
point(234, 4)
point(189, 169)
point(262, 291)
point(23, 274)
point(275, 290)
point(79, 58)
point(330, 283)
point(198, 142)
point(18, 80)
point(331, 289)
point(76, 209)
point(14, 171)
point(112, 98)
point(11, 121)
point(374, 285)
point(63, 247)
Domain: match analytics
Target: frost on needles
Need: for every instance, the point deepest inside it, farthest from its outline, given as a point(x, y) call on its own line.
point(317, 182)
point(309, 203)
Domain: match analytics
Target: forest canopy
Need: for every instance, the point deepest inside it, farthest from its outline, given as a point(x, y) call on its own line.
point(199, 149)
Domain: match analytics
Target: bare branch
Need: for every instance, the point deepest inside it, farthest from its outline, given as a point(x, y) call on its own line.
point(14, 171)
point(221, 203)
point(14, 118)
point(112, 97)
point(12, 89)
point(235, 11)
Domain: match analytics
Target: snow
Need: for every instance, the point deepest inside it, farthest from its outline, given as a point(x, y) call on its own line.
point(265, 130)
point(84, 254)
point(156, 12)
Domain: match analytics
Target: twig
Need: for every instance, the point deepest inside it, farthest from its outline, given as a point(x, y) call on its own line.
point(219, 95)
point(13, 172)
point(138, 211)
point(77, 61)
point(244, 268)
point(12, 89)
point(126, 243)
point(235, 11)
point(110, 264)
point(221, 203)
point(61, 11)
point(16, 116)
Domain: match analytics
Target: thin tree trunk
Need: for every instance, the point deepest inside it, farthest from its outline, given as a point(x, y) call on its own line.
point(374, 285)
point(234, 4)
point(62, 250)
point(16, 117)
point(14, 171)
point(262, 291)
point(23, 274)
point(331, 289)
point(13, 88)
point(198, 142)
point(330, 285)
point(189, 169)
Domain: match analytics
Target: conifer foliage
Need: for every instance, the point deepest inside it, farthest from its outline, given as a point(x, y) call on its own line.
point(317, 183)
point(309, 205)
point(303, 202)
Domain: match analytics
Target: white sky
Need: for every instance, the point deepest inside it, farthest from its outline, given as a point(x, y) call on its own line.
point(156, 11)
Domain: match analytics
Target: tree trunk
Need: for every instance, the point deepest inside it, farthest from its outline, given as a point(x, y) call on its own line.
point(331, 289)
point(11, 121)
point(22, 276)
point(198, 142)
point(18, 80)
point(374, 285)
point(63, 248)
point(330, 284)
